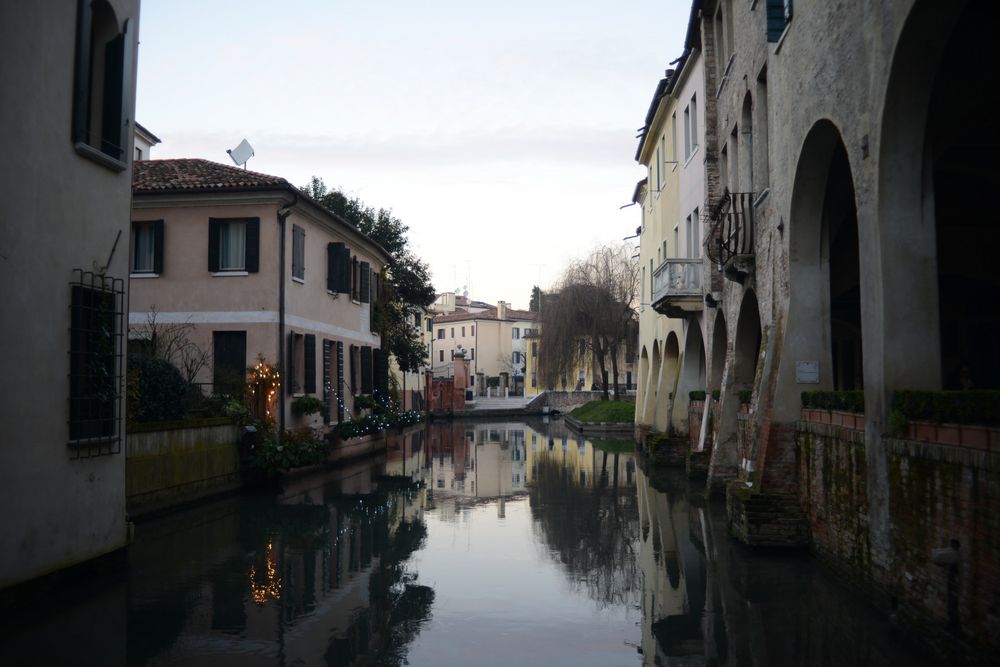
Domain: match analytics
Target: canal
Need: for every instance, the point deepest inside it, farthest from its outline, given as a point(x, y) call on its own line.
point(512, 543)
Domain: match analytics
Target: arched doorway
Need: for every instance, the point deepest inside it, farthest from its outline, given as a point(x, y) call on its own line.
point(937, 228)
point(719, 341)
point(747, 345)
point(692, 375)
point(823, 337)
point(671, 358)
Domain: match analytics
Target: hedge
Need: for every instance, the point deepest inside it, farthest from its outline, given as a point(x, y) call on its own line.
point(697, 395)
point(847, 401)
point(960, 407)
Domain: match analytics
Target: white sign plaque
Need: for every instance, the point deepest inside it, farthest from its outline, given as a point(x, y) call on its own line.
point(807, 372)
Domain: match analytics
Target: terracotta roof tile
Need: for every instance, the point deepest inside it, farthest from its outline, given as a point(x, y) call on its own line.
point(195, 175)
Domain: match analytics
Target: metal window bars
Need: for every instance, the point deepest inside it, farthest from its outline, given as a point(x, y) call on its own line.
point(96, 360)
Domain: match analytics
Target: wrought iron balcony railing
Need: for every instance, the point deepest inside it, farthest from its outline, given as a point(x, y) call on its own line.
point(733, 233)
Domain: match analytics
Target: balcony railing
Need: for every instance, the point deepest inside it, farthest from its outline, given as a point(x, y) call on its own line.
point(733, 233)
point(677, 277)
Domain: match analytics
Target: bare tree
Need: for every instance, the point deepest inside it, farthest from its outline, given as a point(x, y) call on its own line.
point(594, 308)
point(172, 342)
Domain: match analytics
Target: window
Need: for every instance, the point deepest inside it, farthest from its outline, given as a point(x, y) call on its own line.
point(453, 355)
point(779, 15)
point(659, 181)
point(534, 383)
point(440, 334)
point(430, 324)
point(95, 363)
point(463, 332)
point(416, 320)
point(229, 352)
point(534, 349)
point(516, 333)
point(338, 268)
point(147, 247)
point(473, 331)
point(673, 136)
point(734, 161)
point(138, 153)
point(762, 167)
point(102, 96)
point(677, 244)
point(687, 132)
point(440, 355)
point(453, 332)
point(695, 235)
point(694, 122)
point(687, 236)
point(298, 252)
point(724, 166)
point(233, 245)
point(473, 351)
point(516, 358)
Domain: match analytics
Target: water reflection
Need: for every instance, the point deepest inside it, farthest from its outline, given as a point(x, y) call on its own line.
point(469, 543)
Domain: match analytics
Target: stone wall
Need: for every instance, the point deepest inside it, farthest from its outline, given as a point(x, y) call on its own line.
point(176, 462)
point(943, 570)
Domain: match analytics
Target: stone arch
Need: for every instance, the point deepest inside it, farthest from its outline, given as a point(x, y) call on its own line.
point(692, 375)
point(935, 227)
point(720, 341)
point(824, 311)
point(746, 348)
point(640, 397)
point(671, 365)
point(652, 386)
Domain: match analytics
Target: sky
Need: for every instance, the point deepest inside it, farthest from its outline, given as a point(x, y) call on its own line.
point(502, 134)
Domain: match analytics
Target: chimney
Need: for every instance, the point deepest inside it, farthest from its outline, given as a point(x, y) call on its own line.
point(501, 310)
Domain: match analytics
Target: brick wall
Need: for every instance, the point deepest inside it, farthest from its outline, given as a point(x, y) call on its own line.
point(939, 496)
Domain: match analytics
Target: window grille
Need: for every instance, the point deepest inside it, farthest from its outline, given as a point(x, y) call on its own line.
point(95, 364)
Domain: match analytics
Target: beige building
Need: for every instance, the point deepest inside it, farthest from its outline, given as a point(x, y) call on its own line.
point(259, 270)
point(493, 340)
point(66, 137)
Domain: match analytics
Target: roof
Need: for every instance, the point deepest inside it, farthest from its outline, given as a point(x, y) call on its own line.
point(196, 175)
point(149, 136)
point(491, 314)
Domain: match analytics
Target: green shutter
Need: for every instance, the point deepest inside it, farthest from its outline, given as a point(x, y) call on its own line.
point(253, 246)
point(366, 370)
point(366, 281)
point(214, 230)
point(310, 361)
point(157, 246)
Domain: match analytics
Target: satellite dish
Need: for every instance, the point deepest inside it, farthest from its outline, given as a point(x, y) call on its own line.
point(241, 153)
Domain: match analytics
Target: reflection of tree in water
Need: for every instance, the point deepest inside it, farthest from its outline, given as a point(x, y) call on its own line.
point(594, 531)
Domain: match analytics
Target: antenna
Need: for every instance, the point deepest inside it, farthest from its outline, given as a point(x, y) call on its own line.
point(241, 153)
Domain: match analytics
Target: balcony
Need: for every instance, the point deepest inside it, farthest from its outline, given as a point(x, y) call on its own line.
point(677, 287)
point(731, 240)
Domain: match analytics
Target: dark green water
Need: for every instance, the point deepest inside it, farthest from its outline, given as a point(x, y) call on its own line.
point(467, 544)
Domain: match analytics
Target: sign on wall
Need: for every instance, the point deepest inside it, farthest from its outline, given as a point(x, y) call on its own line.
point(807, 372)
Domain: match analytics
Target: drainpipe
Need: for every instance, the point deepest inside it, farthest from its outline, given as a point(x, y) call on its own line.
point(283, 214)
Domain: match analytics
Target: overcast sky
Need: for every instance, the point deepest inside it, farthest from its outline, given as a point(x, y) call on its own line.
point(503, 134)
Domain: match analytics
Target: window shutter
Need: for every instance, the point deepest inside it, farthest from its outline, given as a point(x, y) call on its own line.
point(327, 345)
point(340, 381)
point(125, 94)
point(157, 246)
point(354, 374)
point(344, 269)
point(366, 370)
point(214, 230)
point(310, 361)
point(366, 281)
point(331, 267)
point(295, 251)
point(252, 262)
point(111, 108)
point(380, 363)
point(81, 73)
point(290, 375)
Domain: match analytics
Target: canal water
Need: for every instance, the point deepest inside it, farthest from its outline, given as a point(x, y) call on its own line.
point(470, 544)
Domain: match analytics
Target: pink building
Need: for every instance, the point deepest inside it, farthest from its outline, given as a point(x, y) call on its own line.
point(259, 270)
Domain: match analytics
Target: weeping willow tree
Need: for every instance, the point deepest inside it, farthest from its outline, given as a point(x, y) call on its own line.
point(591, 317)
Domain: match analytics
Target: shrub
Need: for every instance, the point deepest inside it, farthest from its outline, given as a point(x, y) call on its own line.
point(848, 401)
point(697, 395)
point(962, 407)
point(158, 390)
point(745, 395)
point(376, 423)
point(296, 449)
point(310, 405)
point(715, 394)
point(364, 402)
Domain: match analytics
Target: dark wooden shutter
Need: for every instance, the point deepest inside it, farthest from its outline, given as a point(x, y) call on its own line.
point(214, 230)
point(126, 98)
point(111, 108)
point(81, 73)
point(252, 260)
point(344, 270)
point(310, 361)
point(340, 381)
point(380, 369)
point(353, 371)
point(366, 281)
point(157, 246)
point(331, 267)
point(366, 370)
point(295, 251)
point(290, 375)
point(327, 344)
